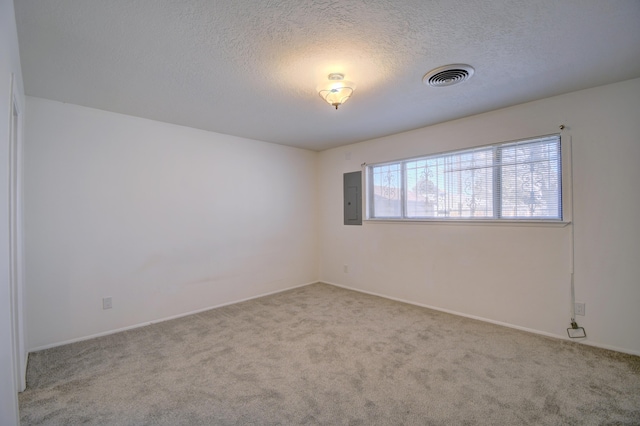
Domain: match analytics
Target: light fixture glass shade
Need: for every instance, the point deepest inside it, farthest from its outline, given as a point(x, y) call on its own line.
point(336, 92)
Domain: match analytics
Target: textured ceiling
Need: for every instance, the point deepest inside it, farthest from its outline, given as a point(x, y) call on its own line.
point(250, 68)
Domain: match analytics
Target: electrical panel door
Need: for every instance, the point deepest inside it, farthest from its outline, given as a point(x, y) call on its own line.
point(353, 198)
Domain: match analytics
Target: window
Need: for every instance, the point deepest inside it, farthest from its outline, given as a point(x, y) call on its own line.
point(509, 181)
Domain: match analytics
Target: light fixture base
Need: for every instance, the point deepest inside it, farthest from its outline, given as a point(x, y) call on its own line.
point(337, 90)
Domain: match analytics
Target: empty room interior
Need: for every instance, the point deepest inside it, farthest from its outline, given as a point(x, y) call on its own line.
point(319, 212)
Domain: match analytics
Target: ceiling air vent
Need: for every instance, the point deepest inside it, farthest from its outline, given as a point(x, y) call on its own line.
point(448, 75)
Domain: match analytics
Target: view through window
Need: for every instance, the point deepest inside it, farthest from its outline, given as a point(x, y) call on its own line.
point(508, 181)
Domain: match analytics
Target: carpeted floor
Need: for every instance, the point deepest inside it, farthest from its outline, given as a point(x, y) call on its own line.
point(325, 355)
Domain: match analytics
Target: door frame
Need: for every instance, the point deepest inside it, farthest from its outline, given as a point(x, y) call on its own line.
point(16, 238)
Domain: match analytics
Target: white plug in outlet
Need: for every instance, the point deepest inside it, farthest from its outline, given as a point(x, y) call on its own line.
point(580, 308)
point(107, 303)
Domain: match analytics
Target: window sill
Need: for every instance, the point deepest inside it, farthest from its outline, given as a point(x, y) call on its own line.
point(472, 222)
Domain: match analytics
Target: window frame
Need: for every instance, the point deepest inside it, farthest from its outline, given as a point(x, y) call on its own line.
point(564, 197)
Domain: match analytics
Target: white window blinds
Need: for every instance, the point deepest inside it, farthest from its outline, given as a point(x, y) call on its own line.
point(511, 181)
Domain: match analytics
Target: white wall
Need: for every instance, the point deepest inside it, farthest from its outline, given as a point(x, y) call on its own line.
point(513, 275)
point(169, 220)
point(9, 64)
point(164, 219)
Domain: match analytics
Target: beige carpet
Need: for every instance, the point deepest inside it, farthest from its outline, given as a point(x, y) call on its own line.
point(325, 355)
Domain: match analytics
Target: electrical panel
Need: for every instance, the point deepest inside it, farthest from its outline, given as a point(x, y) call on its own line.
point(353, 198)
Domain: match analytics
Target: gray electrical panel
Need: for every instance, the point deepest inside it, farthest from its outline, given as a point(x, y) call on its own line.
point(353, 198)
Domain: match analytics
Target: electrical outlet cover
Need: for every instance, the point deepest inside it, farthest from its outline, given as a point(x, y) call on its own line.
point(107, 303)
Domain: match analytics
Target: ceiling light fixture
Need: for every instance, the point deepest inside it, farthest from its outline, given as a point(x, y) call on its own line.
point(337, 91)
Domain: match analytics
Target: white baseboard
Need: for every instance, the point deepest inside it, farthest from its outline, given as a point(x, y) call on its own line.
point(23, 372)
point(143, 324)
point(435, 308)
point(504, 324)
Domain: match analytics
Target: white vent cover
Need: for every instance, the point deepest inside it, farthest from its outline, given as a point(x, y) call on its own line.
point(448, 75)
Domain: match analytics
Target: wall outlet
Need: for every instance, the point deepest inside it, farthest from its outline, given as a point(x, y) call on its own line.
point(580, 308)
point(107, 303)
point(345, 269)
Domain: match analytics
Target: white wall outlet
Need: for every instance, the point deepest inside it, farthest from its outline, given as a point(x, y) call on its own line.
point(580, 308)
point(107, 303)
point(345, 269)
